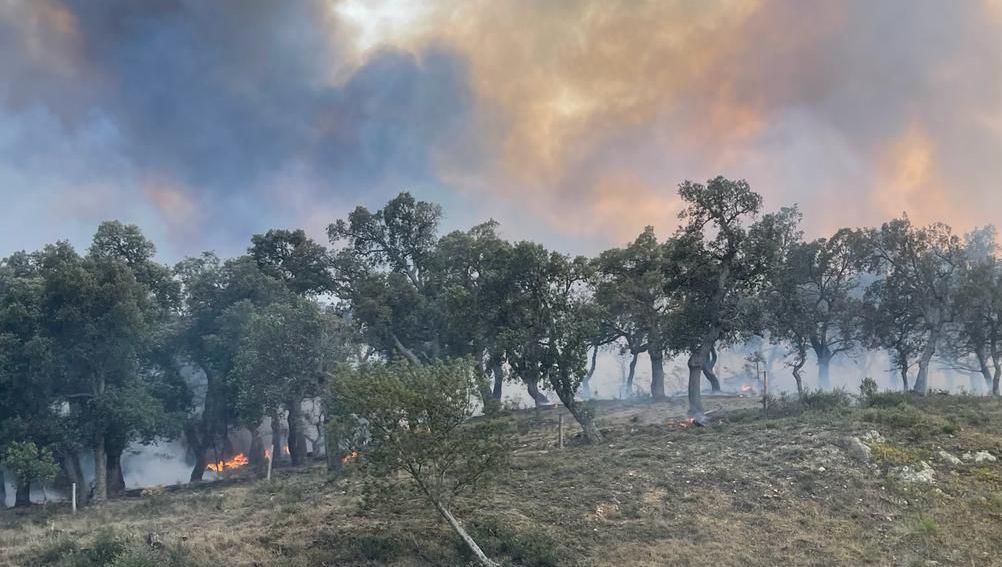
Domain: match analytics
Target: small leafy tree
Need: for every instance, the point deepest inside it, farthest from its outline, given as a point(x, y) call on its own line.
point(418, 422)
point(29, 463)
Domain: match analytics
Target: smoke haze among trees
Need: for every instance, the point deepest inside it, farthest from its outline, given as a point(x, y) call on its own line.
point(107, 349)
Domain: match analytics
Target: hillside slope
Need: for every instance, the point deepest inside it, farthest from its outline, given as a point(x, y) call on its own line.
point(749, 489)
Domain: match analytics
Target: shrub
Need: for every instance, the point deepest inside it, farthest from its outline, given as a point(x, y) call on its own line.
point(889, 399)
point(531, 548)
point(819, 400)
point(909, 418)
point(867, 389)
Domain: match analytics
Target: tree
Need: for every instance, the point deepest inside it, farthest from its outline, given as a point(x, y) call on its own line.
point(923, 264)
point(717, 266)
point(295, 259)
point(827, 273)
point(126, 244)
point(29, 464)
point(552, 325)
point(218, 298)
point(99, 321)
point(286, 352)
point(476, 290)
point(27, 398)
point(815, 300)
point(974, 341)
point(890, 322)
point(384, 270)
point(631, 293)
point(418, 421)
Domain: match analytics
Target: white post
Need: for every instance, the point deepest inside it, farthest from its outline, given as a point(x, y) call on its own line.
point(270, 458)
point(74, 498)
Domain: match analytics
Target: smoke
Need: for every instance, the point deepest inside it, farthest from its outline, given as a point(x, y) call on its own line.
point(570, 122)
point(207, 122)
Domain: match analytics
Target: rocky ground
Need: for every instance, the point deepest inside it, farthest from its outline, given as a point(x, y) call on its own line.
point(902, 481)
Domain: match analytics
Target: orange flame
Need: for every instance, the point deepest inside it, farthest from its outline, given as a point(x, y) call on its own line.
point(746, 388)
point(234, 463)
point(350, 458)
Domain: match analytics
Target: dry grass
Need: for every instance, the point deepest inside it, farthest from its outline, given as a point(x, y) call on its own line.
point(747, 490)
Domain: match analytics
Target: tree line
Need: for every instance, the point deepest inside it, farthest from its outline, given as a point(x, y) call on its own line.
point(103, 349)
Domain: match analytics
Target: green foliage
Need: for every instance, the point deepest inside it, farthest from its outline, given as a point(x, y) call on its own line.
point(910, 419)
point(109, 548)
point(820, 400)
point(528, 547)
point(867, 390)
point(417, 420)
point(30, 463)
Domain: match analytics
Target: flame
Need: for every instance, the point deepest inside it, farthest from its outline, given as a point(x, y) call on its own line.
point(351, 457)
point(234, 463)
point(747, 388)
point(267, 452)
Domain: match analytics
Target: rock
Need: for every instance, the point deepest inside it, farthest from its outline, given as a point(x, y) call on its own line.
point(948, 458)
point(984, 456)
point(923, 473)
point(979, 457)
point(858, 450)
point(873, 436)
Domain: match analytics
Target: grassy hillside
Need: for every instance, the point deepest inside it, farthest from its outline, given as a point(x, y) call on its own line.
point(749, 489)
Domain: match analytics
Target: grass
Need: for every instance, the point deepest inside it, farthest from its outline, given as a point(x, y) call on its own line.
point(749, 489)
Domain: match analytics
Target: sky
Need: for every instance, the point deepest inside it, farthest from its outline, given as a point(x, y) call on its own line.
point(569, 122)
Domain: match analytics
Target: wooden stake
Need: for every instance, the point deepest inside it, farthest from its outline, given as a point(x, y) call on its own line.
point(765, 389)
point(560, 431)
point(74, 498)
point(270, 458)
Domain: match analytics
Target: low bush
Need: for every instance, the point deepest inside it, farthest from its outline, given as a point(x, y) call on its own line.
point(913, 420)
point(820, 400)
point(498, 539)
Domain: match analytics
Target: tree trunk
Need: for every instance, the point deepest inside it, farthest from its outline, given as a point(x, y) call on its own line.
point(586, 381)
point(458, 528)
point(100, 470)
point(532, 385)
point(798, 378)
point(276, 437)
point(922, 379)
point(657, 373)
point(582, 416)
point(904, 378)
point(297, 443)
point(198, 447)
point(986, 372)
point(406, 352)
point(22, 496)
point(334, 452)
point(711, 361)
point(256, 457)
point(497, 369)
point(695, 363)
point(116, 477)
point(3, 490)
point(824, 367)
point(997, 377)
point(71, 464)
point(633, 372)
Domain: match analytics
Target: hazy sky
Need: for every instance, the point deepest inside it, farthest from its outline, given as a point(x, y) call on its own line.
point(570, 122)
